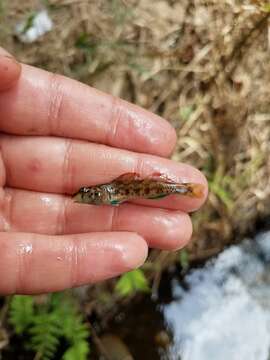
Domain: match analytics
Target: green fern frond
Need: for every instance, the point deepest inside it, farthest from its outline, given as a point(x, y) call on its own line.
point(78, 351)
point(21, 312)
point(48, 323)
point(44, 335)
point(75, 330)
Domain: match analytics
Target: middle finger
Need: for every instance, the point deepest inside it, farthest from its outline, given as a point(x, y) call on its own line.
point(58, 165)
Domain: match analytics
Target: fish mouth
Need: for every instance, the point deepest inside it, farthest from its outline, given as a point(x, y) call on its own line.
point(76, 197)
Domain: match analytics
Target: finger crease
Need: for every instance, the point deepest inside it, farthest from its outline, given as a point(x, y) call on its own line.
point(117, 115)
point(8, 210)
point(3, 176)
point(139, 165)
point(55, 104)
point(114, 218)
point(67, 169)
point(24, 255)
point(61, 224)
point(74, 263)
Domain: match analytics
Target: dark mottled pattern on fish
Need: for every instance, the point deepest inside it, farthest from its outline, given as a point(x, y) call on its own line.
point(129, 187)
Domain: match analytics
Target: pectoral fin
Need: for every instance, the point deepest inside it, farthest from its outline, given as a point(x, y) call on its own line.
point(115, 202)
point(158, 196)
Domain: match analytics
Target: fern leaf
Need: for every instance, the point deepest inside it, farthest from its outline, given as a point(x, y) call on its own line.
point(73, 328)
point(46, 324)
point(78, 351)
point(45, 333)
point(21, 312)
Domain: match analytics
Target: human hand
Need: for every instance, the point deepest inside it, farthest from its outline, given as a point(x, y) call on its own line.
point(56, 136)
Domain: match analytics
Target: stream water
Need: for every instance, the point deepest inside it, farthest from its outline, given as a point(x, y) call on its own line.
point(218, 311)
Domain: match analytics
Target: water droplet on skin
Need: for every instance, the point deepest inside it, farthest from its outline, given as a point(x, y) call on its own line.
point(5, 226)
point(46, 199)
point(26, 249)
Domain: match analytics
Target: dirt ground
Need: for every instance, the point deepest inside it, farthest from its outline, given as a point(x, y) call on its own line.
point(203, 65)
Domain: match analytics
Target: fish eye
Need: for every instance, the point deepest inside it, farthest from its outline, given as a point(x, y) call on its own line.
point(84, 190)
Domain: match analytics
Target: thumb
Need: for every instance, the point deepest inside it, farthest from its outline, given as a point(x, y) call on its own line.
point(10, 70)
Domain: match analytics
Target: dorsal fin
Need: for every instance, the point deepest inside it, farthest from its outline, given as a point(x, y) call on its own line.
point(157, 176)
point(127, 177)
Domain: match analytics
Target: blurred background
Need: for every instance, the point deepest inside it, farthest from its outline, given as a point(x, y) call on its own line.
point(204, 66)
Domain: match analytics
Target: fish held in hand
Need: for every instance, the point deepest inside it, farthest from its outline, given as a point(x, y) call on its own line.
point(131, 186)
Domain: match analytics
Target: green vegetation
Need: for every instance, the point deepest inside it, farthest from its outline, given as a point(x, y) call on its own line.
point(220, 186)
point(186, 111)
point(1, 7)
point(266, 7)
point(29, 22)
point(83, 42)
point(184, 259)
point(44, 324)
point(132, 282)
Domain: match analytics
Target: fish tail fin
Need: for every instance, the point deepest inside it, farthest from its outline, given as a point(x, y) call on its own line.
point(190, 189)
point(198, 190)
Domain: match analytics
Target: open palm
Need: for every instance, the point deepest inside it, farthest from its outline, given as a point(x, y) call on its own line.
point(56, 136)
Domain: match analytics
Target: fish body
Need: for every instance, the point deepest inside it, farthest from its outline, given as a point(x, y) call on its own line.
point(130, 187)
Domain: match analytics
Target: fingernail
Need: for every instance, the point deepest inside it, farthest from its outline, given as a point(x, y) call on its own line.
point(6, 54)
point(10, 57)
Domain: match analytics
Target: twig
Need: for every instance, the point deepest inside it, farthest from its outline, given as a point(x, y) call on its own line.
point(98, 343)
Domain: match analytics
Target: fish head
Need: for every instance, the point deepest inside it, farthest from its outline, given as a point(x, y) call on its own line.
point(90, 195)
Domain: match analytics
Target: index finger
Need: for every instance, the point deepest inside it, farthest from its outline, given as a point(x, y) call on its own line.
point(48, 104)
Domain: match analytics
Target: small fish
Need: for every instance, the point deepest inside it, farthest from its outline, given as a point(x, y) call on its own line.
point(130, 186)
